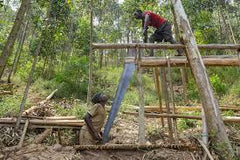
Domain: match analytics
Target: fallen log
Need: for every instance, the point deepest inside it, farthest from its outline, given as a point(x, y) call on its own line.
point(43, 136)
point(135, 147)
point(155, 115)
point(33, 108)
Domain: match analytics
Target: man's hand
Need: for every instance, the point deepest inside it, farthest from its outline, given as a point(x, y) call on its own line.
point(145, 36)
point(97, 136)
point(144, 32)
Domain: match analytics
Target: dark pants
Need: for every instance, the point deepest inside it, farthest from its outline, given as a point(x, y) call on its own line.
point(163, 33)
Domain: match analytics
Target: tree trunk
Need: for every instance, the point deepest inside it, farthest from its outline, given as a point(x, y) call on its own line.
point(214, 120)
point(182, 70)
point(13, 35)
point(28, 83)
point(18, 52)
point(90, 71)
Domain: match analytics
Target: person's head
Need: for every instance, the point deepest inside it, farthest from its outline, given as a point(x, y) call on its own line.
point(99, 98)
point(138, 14)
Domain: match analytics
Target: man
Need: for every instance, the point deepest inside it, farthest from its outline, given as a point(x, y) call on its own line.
point(163, 28)
point(94, 119)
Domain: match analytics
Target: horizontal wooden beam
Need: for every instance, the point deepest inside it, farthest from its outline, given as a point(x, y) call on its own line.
point(226, 60)
point(187, 108)
point(135, 147)
point(163, 46)
point(155, 115)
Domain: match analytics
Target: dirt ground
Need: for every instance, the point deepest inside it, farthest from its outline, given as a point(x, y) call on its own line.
point(57, 152)
point(125, 131)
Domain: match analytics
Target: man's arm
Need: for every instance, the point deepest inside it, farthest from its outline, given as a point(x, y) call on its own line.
point(146, 23)
point(93, 132)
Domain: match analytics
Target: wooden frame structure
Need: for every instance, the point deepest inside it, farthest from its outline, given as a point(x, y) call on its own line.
point(155, 62)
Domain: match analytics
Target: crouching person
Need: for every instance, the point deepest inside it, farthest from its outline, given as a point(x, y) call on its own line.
point(94, 120)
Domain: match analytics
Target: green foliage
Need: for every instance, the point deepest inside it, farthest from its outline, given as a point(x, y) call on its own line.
point(9, 105)
point(184, 124)
point(192, 90)
point(218, 86)
point(73, 80)
point(23, 72)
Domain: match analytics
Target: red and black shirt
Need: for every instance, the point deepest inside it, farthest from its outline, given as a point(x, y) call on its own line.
point(154, 20)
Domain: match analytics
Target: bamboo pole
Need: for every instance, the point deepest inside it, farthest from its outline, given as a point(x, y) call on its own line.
point(182, 61)
point(226, 119)
point(163, 46)
point(134, 147)
point(157, 85)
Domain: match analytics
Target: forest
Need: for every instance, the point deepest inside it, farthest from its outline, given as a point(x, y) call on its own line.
point(52, 63)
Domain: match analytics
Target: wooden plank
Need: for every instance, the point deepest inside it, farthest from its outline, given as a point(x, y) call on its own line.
point(182, 61)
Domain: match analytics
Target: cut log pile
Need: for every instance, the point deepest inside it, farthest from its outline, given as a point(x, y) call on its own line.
point(48, 122)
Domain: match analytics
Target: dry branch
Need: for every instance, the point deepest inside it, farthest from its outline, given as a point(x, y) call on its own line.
point(134, 147)
point(206, 149)
point(24, 133)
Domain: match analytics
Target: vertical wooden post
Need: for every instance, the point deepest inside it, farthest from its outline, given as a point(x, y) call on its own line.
point(141, 101)
point(172, 97)
point(157, 85)
point(89, 94)
point(166, 98)
point(210, 106)
point(184, 83)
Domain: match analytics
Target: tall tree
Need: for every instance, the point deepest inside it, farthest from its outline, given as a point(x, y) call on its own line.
point(213, 117)
point(13, 35)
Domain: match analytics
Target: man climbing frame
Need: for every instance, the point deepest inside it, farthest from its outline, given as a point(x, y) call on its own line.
point(162, 32)
point(94, 119)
